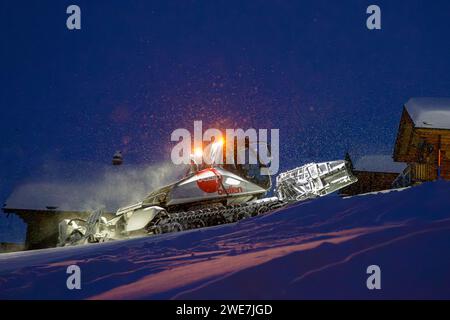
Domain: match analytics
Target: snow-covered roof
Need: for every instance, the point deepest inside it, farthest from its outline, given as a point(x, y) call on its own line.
point(378, 163)
point(429, 112)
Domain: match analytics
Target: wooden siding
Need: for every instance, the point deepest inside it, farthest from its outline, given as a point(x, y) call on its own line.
point(422, 172)
point(420, 147)
point(369, 182)
point(404, 136)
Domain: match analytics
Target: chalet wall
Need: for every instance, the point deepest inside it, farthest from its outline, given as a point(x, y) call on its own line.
point(404, 136)
point(421, 146)
point(369, 182)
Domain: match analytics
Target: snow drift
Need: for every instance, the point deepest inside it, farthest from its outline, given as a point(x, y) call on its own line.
point(320, 249)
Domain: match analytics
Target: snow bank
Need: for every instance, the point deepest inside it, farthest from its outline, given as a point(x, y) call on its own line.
point(319, 249)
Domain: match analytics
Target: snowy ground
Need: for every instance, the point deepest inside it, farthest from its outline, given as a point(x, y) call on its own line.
point(319, 249)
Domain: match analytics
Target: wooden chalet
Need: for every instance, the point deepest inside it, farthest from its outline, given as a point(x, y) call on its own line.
point(374, 173)
point(423, 141)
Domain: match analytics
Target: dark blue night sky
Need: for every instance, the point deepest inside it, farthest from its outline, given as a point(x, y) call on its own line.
point(140, 69)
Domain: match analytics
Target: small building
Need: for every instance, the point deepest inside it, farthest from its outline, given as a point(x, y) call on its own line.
point(374, 173)
point(423, 141)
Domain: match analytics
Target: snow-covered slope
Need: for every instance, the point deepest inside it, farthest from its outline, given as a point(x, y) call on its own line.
point(319, 249)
